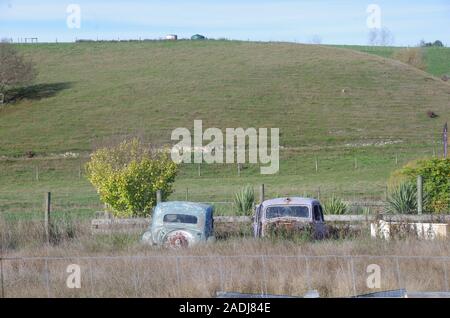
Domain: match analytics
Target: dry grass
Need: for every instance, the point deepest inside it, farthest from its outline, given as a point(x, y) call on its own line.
point(116, 265)
point(412, 56)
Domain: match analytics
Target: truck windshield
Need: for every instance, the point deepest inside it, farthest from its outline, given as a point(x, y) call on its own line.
point(297, 211)
point(180, 218)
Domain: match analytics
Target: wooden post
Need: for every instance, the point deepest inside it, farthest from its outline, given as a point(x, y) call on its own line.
point(199, 171)
point(356, 163)
point(1, 277)
point(239, 169)
point(158, 197)
point(317, 164)
point(37, 173)
point(261, 193)
point(396, 159)
point(47, 212)
point(187, 194)
point(445, 140)
point(419, 194)
point(79, 170)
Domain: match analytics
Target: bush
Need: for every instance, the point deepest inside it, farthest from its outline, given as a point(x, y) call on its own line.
point(244, 200)
point(403, 199)
point(436, 181)
point(411, 56)
point(128, 176)
point(335, 206)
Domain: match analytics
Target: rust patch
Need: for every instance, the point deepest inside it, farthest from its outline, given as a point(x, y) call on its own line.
point(177, 240)
point(285, 227)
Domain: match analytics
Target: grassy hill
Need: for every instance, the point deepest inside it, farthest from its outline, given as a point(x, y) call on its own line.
point(98, 90)
point(359, 115)
point(437, 59)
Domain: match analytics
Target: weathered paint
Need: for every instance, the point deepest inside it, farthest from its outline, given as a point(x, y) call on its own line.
point(177, 234)
point(261, 223)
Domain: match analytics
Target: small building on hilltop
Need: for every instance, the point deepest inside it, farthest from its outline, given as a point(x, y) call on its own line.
point(198, 37)
point(172, 37)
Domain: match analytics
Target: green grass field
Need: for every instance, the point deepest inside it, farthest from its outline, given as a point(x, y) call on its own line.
point(89, 94)
point(437, 59)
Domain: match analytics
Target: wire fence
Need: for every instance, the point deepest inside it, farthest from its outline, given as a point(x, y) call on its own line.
point(204, 275)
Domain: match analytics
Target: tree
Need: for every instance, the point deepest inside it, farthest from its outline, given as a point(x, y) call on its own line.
point(127, 177)
point(381, 37)
point(316, 39)
point(436, 43)
point(14, 69)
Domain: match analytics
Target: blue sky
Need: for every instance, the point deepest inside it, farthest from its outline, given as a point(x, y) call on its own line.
point(334, 22)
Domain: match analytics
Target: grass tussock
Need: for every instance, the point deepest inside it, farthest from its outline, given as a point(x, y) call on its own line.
point(412, 56)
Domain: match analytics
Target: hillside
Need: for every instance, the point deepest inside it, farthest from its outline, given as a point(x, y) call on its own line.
point(92, 91)
point(344, 143)
point(437, 59)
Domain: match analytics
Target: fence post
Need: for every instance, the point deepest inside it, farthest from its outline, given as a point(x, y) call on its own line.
point(158, 197)
point(318, 193)
point(1, 277)
point(187, 194)
point(239, 169)
point(47, 277)
point(199, 171)
point(261, 193)
point(37, 173)
point(47, 212)
point(419, 194)
point(445, 140)
point(352, 267)
point(317, 164)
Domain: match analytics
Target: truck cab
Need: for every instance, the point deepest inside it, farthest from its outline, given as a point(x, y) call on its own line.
point(289, 214)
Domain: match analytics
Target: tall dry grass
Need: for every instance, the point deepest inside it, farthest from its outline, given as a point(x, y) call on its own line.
point(412, 56)
point(117, 265)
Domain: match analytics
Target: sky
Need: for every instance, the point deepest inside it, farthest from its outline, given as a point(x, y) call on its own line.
point(307, 21)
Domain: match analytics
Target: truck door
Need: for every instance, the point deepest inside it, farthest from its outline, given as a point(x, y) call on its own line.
point(257, 221)
point(319, 225)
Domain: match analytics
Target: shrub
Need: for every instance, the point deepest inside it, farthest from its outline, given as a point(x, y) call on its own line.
point(411, 56)
point(335, 205)
point(403, 199)
point(127, 177)
point(436, 181)
point(244, 200)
